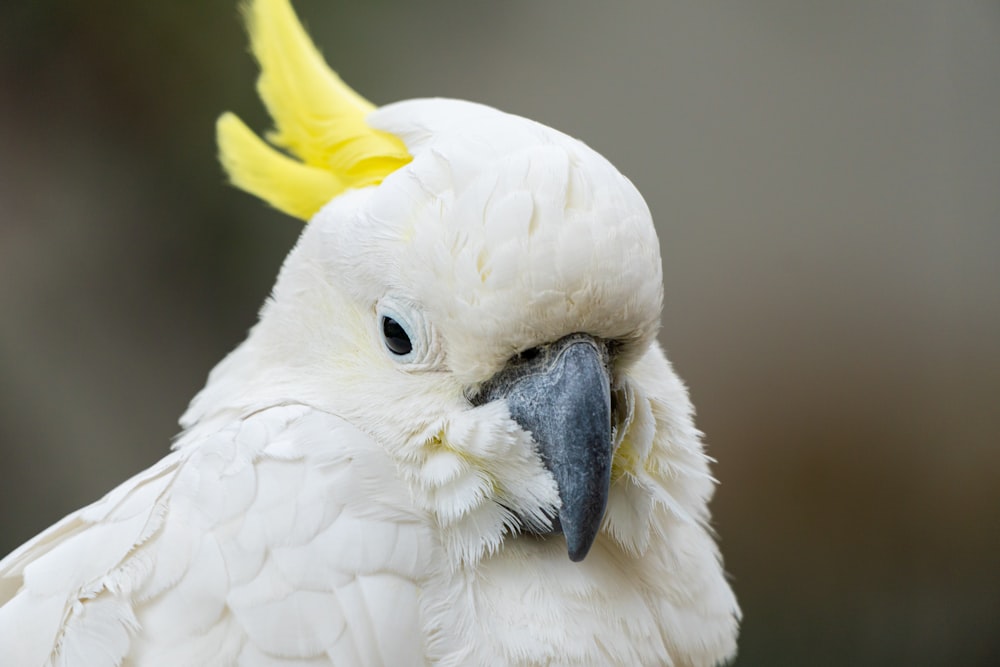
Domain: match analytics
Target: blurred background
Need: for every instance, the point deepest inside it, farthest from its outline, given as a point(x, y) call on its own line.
point(825, 178)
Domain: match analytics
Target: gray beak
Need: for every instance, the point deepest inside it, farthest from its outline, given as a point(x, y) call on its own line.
point(561, 394)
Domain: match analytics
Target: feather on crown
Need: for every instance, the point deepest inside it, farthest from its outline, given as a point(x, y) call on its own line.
point(318, 119)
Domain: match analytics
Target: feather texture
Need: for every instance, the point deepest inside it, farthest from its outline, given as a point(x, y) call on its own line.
point(224, 550)
point(317, 119)
point(332, 502)
point(290, 186)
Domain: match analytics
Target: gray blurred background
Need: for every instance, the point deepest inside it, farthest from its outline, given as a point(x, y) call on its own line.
point(826, 182)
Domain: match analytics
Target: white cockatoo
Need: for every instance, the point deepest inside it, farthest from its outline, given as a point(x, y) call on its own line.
point(451, 439)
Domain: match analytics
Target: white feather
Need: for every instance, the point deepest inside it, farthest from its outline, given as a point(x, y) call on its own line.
point(194, 583)
point(97, 634)
point(331, 504)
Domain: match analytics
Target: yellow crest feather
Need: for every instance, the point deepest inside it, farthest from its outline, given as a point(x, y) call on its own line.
point(318, 119)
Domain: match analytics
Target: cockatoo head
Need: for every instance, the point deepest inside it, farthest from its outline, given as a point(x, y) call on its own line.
point(476, 312)
point(479, 293)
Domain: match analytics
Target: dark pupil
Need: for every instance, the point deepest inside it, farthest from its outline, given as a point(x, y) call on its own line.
point(395, 337)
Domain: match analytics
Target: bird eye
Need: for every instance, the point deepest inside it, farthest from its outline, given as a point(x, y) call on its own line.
point(395, 336)
point(401, 329)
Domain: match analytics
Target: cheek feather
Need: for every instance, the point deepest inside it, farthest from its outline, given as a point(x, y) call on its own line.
point(476, 472)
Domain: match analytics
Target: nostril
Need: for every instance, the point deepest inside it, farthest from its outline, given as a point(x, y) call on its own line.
point(529, 354)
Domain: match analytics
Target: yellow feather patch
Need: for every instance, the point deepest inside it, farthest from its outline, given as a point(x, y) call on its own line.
point(290, 186)
point(317, 117)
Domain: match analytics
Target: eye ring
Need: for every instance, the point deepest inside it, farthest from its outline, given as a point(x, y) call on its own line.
point(395, 337)
point(404, 334)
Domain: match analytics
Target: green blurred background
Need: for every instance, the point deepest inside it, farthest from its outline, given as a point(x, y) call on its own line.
point(826, 182)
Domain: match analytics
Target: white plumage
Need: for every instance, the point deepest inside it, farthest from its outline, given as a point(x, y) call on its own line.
point(284, 518)
point(333, 503)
